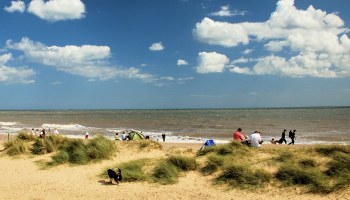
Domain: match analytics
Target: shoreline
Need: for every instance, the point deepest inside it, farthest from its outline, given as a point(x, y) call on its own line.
point(185, 140)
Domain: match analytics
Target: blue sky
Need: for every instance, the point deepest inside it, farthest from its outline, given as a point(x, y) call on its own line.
point(121, 54)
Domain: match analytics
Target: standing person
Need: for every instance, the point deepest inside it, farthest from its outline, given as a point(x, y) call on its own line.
point(283, 137)
point(56, 131)
point(87, 135)
point(163, 136)
point(255, 139)
point(33, 131)
point(238, 136)
point(292, 136)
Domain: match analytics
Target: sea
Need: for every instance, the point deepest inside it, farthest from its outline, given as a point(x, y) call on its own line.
point(313, 125)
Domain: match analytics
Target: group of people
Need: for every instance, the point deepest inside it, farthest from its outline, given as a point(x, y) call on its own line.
point(42, 133)
point(291, 135)
point(253, 140)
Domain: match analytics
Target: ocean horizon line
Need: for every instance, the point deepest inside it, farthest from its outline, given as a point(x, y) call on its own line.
point(222, 108)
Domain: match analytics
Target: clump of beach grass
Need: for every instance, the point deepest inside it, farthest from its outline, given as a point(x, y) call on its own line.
point(165, 173)
point(16, 147)
point(77, 151)
point(243, 176)
point(23, 135)
point(296, 175)
point(212, 164)
point(133, 171)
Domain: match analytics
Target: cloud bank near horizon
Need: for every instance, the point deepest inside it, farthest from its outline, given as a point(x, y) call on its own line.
point(318, 42)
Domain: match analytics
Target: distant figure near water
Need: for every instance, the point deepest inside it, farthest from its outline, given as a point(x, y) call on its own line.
point(87, 135)
point(163, 136)
point(283, 137)
point(292, 136)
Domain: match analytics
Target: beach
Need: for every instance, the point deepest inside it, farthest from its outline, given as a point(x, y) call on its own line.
point(23, 177)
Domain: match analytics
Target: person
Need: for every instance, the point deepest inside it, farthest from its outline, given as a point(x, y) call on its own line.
point(255, 139)
point(273, 141)
point(87, 135)
point(56, 131)
point(123, 136)
point(292, 136)
point(163, 136)
point(238, 136)
point(116, 136)
point(283, 137)
point(33, 131)
point(42, 133)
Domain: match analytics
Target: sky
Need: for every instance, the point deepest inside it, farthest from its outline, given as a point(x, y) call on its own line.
point(174, 54)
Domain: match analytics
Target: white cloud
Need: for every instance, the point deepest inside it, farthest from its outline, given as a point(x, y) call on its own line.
point(226, 12)
point(220, 33)
point(181, 62)
point(247, 51)
point(16, 6)
point(56, 83)
point(14, 74)
point(211, 62)
point(317, 40)
point(56, 10)
point(240, 70)
point(87, 61)
point(156, 46)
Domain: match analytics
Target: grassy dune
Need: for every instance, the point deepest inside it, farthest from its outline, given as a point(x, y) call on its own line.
point(320, 169)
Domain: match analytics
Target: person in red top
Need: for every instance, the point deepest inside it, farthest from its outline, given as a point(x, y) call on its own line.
point(238, 136)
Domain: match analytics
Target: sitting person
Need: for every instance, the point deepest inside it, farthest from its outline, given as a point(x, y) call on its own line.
point(238, 136)
point(273, 141)
point(115, 175)
point(255, 139)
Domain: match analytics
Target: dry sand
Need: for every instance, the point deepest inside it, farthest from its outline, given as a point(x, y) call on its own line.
point(23, 178)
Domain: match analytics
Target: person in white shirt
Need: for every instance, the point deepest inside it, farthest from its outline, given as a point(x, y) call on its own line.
point(56, 131)
point(255, 139)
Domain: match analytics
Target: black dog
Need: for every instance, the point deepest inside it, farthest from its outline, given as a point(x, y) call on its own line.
point(115, 175)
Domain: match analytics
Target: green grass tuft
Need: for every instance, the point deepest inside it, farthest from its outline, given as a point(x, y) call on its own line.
point(16, 147)
point(22, 135)
point(242, 176)
point(165, 174)
point(293, 175)
point(183, 163)
point(308, 162)
point(330, 149)
point(212, 165)
point(133, 171)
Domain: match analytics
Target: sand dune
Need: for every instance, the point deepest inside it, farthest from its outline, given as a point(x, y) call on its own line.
point(24, 178)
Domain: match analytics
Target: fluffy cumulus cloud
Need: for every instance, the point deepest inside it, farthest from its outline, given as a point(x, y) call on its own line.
point(210, 62)
point(226, 12)
point(87, 61)
point(156, 46)
point(317, 41)
point(181, 62)
point(13, 74)
point(56, 10)
point(16, 6)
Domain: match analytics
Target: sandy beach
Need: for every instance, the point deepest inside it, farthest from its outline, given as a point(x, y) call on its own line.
point(23, 177)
